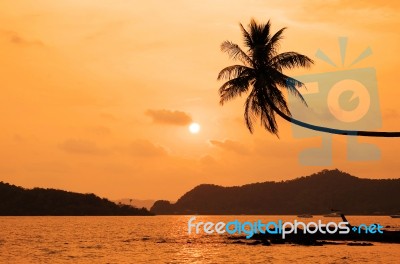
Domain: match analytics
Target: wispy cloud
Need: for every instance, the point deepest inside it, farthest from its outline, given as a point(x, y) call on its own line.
point(168, 117)
point(231, 145)
point(145, 148)
point(361, 11)
point(80, 146)
point(391, 113)
point(108, 117)
point(208, 160)
point(100, 130)
point(16, 38)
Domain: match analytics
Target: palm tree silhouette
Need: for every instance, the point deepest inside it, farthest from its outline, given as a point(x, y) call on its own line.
point(261, 72)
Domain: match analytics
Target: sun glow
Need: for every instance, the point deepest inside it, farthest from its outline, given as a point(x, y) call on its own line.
point(194, 128)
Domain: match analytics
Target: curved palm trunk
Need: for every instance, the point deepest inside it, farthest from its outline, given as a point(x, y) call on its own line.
point(333, 130)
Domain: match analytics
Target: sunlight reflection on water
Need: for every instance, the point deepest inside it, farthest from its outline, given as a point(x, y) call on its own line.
point(164, 239)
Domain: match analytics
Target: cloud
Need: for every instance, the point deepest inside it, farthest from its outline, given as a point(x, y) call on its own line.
point(169, 117)
point(78, 146)
point(145, 148)
point(391, 113)
point(17, 39)
point(208, 160)
point(360, 11)
point(231, 145)
point(108, 116)
point(18, 138)
point(100, 130)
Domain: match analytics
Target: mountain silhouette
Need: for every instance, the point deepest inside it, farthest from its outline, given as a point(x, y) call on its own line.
point(136, 202)
point(314, 194)
point(16, 201)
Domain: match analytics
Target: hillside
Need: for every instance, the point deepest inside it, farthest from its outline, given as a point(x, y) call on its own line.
point(314, 194)
point(136, 202)
point(16, 200)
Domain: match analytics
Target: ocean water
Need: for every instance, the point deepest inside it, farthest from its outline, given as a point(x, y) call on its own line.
point(165, 239)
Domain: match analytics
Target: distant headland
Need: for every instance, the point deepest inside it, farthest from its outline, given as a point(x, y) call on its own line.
point(18, 201)
point(314, 194)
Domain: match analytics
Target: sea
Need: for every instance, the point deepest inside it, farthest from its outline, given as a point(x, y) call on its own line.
point(165, 239)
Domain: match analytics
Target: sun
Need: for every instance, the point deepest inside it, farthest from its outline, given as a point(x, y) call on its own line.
point(194, 128)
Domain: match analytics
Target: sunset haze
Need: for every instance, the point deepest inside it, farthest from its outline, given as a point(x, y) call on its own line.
point(98, 96)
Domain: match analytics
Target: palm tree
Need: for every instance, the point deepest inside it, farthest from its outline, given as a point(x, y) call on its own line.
point(261, 76)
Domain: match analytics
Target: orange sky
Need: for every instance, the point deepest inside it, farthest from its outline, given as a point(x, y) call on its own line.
point(96, 95)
